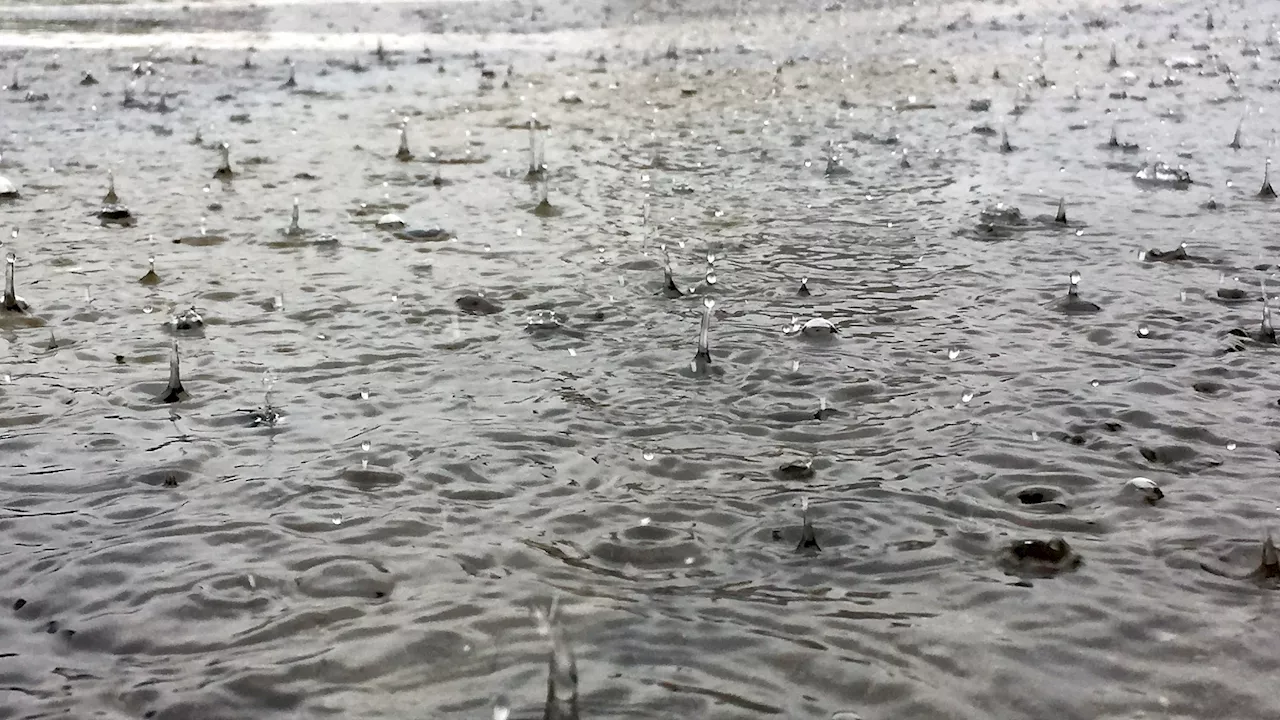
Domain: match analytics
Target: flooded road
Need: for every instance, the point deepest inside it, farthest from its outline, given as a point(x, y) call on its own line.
point(963, 271)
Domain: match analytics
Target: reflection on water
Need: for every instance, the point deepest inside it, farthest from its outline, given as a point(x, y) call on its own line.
point(761, 340)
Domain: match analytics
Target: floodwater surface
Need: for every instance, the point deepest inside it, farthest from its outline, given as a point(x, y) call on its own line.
point(396, 438)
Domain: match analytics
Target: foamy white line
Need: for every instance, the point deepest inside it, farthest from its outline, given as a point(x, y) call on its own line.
point(339, 42)
point(32, 8)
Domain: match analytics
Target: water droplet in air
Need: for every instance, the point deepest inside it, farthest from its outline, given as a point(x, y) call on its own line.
point(1094, 383)
point(967, 396)
point(364, 395)
point(953, 353)
point(711, 278)
point(1143, 331)
point(1231, 445)
point(336, 520)
point(366, 445)
point(708, 303)
point(1075, 277)
point(501, 708)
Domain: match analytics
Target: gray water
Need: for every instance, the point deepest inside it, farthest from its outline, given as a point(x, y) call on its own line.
point(182, 561)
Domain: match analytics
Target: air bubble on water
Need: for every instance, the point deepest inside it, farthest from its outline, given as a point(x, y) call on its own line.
point(1094, 383)
point(647, 455)
point(1231, 445)
point(1143, 330)
point(953, 353)
point(148, 309)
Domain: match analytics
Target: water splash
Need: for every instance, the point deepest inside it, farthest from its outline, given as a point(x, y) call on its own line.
point(294, 228)
point(173, 391)
point(562, 667)
point(268, 415)
point(804, 288)
point(1061, 217)
point(224, 170)
point(1235, 139)
point(1005, 147)
point(403, 154)
point(292, 82)
point(702, 360)
point(537, 163)
point(151, 278)
point(111, 198)
point(1113, 62)
point(808, 536)
point(187, 320)
point(1266, 192)
point(669, 287)
point(12, 303)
